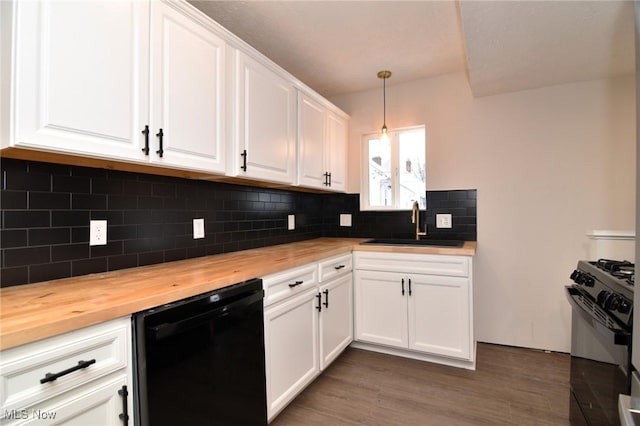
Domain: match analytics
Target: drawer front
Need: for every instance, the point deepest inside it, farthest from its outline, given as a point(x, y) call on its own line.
point(335, 266)
point(284, 284)
point(431, 264)
point(22, 368)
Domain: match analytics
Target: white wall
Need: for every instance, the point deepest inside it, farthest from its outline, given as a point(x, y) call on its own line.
point(549, 164)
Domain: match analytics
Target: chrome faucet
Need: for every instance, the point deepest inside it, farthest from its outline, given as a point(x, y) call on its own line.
point(415, 218)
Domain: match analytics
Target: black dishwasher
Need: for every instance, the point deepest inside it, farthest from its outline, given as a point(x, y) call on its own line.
point(200, 361)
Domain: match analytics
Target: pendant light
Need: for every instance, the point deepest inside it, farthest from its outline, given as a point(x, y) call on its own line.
point(384, 75)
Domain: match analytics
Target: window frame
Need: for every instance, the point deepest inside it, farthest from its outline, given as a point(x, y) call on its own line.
point(395, 178)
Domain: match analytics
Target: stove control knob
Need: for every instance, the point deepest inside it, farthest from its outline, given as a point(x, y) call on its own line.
point(602, 298)
point(578, 277)
point(624, 306)
point(612, 302)
point(588, 280)
point(574, 275)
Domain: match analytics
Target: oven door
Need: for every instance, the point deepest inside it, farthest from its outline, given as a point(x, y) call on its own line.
point(600, 362)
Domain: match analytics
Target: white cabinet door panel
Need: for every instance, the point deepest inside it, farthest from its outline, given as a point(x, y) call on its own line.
point(81, 77)
point(311, 146)
point(381, 308)
point(291, 349)
point(98, 404)
point(336, 319)
point(337, 151)
point(187, 96)
point(265, 121)
point(439, 315)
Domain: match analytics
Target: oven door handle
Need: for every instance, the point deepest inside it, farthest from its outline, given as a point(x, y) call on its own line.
point(620, 336)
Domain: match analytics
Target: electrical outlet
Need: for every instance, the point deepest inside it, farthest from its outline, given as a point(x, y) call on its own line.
point(443, 220)
point(345, 220)
point(291, 222)
point(198, 228)
point(97, 232)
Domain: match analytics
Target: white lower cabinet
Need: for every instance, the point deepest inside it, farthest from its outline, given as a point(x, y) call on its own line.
point(336, 318)
point(93, 383)
point(291, 349)
point(422, 308)
point(306, 330)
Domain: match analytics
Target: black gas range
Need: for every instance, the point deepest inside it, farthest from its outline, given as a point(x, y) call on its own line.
point(601, 298)
point(610, 284)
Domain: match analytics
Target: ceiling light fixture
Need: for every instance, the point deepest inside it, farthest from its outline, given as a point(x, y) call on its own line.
point(384, 75)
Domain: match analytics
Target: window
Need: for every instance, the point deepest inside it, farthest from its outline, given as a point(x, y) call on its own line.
point(394, 170)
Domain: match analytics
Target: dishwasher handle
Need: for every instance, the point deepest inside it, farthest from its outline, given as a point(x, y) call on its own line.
point(165, 330)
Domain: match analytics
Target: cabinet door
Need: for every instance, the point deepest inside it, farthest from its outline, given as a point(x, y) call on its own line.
point(187, 90)
point(336, 319)
point(81, 77)
point(311, 146)
point(291, 349)
point(439, 315)
point(265, 121)
point(381, 308)
point(96, 403)
point(336, 141)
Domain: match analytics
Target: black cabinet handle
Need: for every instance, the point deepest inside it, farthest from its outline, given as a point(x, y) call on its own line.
point(319, 307)
point(244, 160)
point(409, 286)
point(326, 298)
point(403, 286)
point(326, 179)
point(124, 416)
point(145, 132)
point(50, 377)
point(160, 135)
point(297, 283)
point(329, 178)
point(338, 267)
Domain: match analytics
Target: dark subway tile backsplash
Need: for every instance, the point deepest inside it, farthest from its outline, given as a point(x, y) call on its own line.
point(46, 209)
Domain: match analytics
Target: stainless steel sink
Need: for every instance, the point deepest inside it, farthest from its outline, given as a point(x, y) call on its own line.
point(409, 242)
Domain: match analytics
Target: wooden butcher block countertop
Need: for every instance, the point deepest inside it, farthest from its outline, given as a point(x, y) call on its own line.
point(36, 311)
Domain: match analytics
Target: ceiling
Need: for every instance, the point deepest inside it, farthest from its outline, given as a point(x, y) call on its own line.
point(337, 47)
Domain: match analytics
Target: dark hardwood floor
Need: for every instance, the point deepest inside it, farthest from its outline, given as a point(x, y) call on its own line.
point(511, 386)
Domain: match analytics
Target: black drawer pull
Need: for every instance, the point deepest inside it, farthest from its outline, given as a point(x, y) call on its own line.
point(409, 286)
point(326, 298)
point(338, 267)
point(319, 307)
point(403, 286)
point(297, 283)
point(160, 135)
point(243, 154)
point(124, 416)
point(145, 132)
point(50, 377)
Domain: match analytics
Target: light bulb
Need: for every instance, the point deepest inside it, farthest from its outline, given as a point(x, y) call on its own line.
point(384, 135)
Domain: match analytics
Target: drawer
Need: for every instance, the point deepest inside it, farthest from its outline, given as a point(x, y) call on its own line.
point(282, 285)
point(335, 266)
point(23, 367)
point(431, 264)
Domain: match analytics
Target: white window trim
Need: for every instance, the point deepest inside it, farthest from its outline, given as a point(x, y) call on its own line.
point(364, 170)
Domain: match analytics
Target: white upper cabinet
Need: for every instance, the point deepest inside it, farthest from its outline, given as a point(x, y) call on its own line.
point(159, 83)
point(263, 122)
point(187, 90)
point(337, 128)
point(80, 77)
point(322, 137)
point(311, 146)
point(89, 79)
